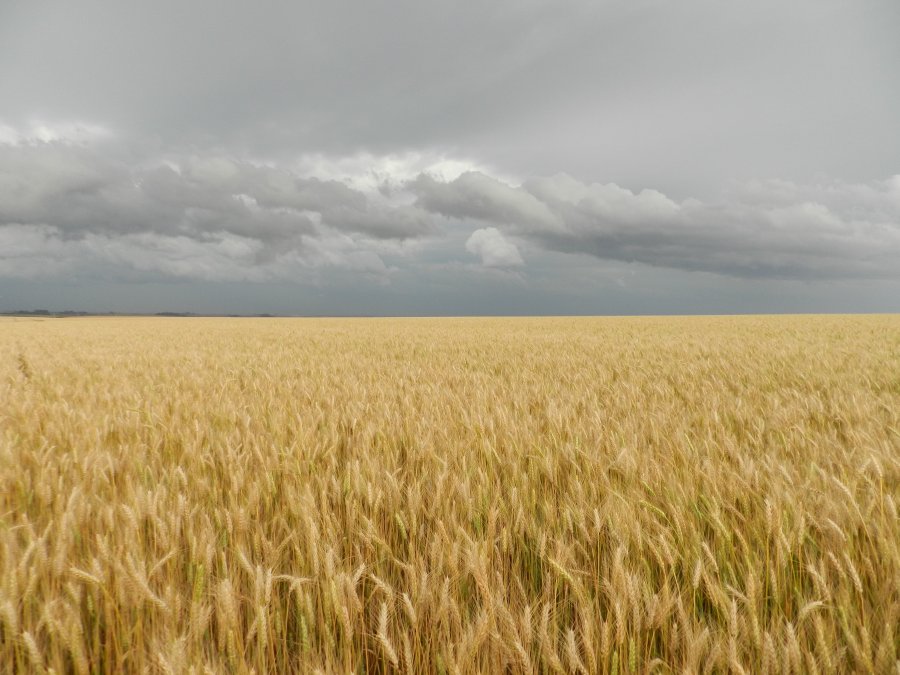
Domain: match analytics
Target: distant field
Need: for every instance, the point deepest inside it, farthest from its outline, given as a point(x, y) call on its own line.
point(450, 495)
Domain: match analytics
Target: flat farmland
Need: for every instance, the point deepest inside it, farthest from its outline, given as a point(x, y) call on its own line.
point(523, 495)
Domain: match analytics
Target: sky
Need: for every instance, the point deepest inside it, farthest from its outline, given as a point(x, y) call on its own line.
point(431, 158)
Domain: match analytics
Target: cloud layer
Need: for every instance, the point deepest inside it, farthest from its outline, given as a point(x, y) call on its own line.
point(765, 229)
point(198, 217)
point(219, 218)
point(675, 95)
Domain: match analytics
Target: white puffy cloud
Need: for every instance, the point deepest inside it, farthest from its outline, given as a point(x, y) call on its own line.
point(493, 248)
point(72, 133)
point(370, 173)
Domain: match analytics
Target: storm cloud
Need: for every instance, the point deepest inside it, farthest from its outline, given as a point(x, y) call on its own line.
point(774, 229)
point(211, 218)
point(441, 157)
point(226, 219)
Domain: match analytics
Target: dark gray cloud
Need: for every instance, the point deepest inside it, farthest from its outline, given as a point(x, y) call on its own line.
point(78, 188)
point(245, 215)
point(415, 146)
point(774, 229)
point(204, 217)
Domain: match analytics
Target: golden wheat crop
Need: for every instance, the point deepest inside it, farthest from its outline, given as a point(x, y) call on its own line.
point(450, 495)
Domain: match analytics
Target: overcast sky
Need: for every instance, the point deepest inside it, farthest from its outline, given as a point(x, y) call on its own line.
point(505, 157)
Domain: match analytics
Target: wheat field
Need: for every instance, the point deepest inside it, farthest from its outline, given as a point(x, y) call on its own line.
point(594, 495)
